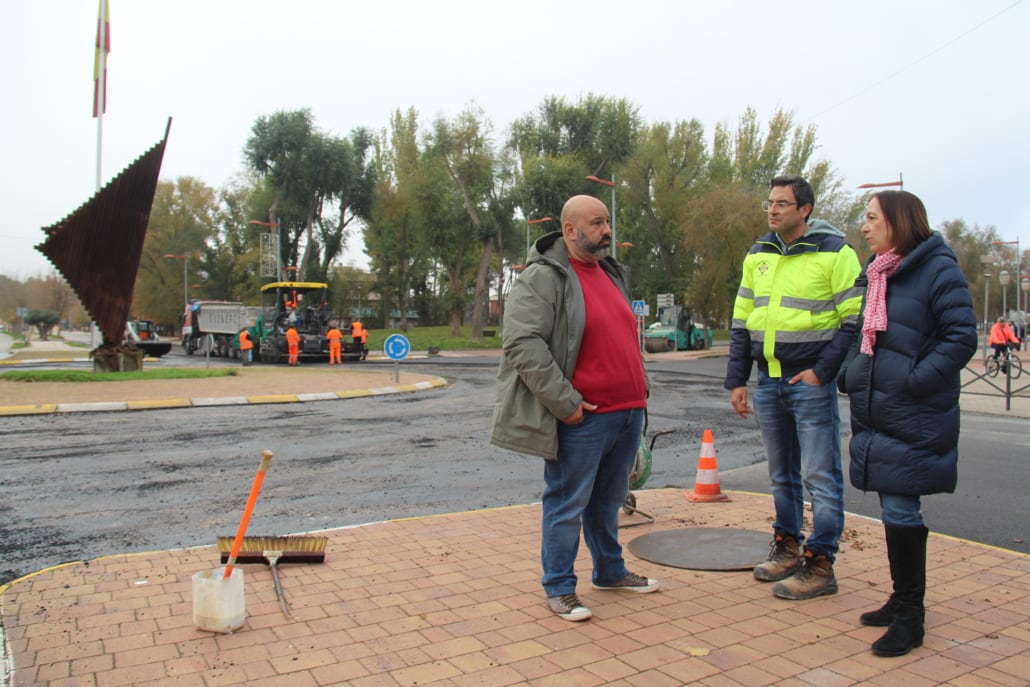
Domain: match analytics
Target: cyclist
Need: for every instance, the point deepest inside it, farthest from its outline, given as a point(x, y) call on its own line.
point(1000, 338)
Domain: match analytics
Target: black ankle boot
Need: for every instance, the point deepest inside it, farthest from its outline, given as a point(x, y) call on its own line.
point(906, 549)
point(904, 634)
point(882, 616)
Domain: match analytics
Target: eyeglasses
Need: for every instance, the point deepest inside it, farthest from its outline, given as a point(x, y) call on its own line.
point(768, 205)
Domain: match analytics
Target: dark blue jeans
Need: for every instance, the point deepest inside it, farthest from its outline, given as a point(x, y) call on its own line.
point(900, 510)
point(801, 430)
point(584, 489)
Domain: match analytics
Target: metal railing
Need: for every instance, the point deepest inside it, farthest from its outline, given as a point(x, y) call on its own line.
point(979, 379)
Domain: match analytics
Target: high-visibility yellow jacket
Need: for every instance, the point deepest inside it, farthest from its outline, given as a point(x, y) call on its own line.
point(797, 306)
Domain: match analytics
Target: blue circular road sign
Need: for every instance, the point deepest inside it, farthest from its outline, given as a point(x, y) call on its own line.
point(396, 347)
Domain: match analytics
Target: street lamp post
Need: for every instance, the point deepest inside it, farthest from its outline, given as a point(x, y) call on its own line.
point(1024, 286)
point(986, 261)
point(533, 221)
point(611, 183)
point(1004, 278)
point(900, 183)
point(185, 275)
point(1021, 308)
point(987, 323)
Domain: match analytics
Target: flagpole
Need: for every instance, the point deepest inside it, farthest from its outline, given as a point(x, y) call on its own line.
point(99, 105)
point(100, 102)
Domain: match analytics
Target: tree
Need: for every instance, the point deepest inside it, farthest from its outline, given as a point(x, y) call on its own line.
point(663, 177)
point(277, 152)
point(232, 255)
point(729, 215)
point(462, 227)
point(971, 245)
point(349, 291)
point(696, 213)
point(183, 218)
point(308, 172)
point(12, 297)
point(352, 196)
point(60, 296)
point(43, 321)
point(394, 233)
point(565, 142)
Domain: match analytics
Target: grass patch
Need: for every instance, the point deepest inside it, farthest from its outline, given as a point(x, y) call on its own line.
point(423, 338)
point(88, 376)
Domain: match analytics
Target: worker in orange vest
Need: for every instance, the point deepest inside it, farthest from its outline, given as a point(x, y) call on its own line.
point(335, 337)
point(293, 345)
point(246, 347)
point(360, 336)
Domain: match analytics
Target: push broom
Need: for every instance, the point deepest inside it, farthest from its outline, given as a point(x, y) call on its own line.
point(270, 550)
point(275, 550)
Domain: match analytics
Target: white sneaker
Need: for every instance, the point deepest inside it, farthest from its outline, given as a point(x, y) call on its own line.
point(630, 583)
point(568, 607)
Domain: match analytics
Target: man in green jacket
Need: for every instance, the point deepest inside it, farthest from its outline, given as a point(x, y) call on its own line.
point(571, 389)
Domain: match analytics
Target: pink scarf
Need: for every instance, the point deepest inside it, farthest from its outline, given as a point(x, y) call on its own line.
point(875, 314)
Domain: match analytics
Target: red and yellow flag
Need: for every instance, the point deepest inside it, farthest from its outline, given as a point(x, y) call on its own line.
point(100, 59)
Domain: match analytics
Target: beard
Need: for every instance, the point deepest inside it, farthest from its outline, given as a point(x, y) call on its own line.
point(598, 249)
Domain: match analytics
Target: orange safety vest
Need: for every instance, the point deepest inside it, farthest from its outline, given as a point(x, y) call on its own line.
point(292, 337)
point(245, 343)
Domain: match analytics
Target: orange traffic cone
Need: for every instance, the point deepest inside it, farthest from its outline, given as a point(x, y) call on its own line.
point(706, 485)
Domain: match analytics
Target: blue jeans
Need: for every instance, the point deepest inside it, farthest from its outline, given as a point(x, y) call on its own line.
point(900, 510)
point(800, 426)
point(584, 489)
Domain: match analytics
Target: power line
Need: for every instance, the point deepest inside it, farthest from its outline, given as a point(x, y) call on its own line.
point(915, 62)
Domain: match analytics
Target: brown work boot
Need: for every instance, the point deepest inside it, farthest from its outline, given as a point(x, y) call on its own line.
point(784, 559)
point(814, 578)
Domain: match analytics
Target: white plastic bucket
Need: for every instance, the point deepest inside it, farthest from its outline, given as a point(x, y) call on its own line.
point(219, 605)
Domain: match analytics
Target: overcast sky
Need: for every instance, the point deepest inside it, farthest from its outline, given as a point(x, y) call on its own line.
point(934, 90)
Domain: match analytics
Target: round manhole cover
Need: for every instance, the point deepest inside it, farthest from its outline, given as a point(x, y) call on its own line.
point(704, 548)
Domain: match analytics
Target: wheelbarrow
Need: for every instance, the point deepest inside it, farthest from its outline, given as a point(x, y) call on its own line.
point(639, 474)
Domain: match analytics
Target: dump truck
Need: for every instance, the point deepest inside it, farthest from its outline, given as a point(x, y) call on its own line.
point(143, 335)
point(305, 306)
point(677, 330)
point(211, 327)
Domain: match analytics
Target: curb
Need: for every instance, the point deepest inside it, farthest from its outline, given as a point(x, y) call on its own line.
point(163, 404)
point(43, 361)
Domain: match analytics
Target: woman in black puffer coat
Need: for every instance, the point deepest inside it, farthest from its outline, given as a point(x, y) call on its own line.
point(916, 334)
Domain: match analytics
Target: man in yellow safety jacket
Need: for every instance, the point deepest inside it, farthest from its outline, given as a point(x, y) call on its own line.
point(796, 315)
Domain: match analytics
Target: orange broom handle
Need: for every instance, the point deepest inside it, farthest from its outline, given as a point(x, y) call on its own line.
point(266, 458)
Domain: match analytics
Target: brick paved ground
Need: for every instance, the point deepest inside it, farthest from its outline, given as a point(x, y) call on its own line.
point(455, 600)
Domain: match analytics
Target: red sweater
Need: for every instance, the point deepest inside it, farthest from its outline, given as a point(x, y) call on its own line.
point(609, 371)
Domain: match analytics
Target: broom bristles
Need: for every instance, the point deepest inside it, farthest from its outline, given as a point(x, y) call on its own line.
point(287, 545)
